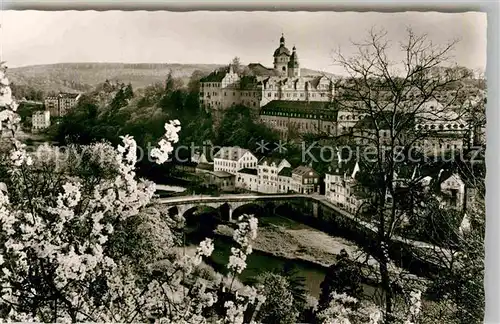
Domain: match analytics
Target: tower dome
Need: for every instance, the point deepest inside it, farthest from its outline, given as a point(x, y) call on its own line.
point(282, 48)
point(281, 57)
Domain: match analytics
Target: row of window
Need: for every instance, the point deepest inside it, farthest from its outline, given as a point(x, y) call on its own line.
point(441, 126)
point(210, 85)
point(350, 117)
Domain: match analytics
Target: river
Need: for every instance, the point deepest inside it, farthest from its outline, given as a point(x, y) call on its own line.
point(277, 246)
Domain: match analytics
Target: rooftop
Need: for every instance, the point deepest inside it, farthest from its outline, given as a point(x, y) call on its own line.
point(64, 95)
point(216, 76)
point(233, 153)
point(303, 170)
point(270, 160)
point(258, 69)
point(205, 166)
point(285, 172)
point(248, 171)
point(222, 174)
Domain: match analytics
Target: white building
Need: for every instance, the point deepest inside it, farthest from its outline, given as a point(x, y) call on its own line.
point(285, 180)
point(232, 159)
point(225, 87)
point(453, 191)
point(247, 179)
point(267, 171)
point(62, 103)
point(40, 120)
point(341, 189)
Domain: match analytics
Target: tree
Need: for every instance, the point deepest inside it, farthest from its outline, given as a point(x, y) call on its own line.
point(194, 81)
point(461, 256)
point(279, 304)
point(236, 64)
point(66, 225)
point(392, 94)
point(342, 277)
point(129, 91)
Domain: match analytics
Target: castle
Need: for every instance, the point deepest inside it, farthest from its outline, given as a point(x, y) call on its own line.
point(261, 85)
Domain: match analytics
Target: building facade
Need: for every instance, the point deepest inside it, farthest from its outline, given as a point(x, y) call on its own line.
point(453, 192)
point(291, 118)
point(267, 171)
point(62, 103)
point(40, 120)
point(342, 190)
point(232, 159)
point(305, 180)
point(224, 88)
point(247, 179)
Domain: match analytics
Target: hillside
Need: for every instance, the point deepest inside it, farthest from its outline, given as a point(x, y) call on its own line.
point(82, 77)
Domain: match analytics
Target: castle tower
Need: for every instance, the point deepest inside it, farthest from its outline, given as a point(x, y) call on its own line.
point(281, 58)
point(293, 64)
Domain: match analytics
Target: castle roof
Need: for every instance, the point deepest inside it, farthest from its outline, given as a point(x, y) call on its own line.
point(216, 76)
point(258, 69)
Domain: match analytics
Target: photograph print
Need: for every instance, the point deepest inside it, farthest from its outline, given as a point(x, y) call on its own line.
point(242, 167)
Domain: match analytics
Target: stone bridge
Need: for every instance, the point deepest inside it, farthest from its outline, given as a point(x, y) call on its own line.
point(401, 248)
point(184, 205)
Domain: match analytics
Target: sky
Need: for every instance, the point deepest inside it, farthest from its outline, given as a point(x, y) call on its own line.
point(46, 37)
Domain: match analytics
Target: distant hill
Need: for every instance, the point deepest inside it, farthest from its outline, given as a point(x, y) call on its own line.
point(84, 76)
point(71, 77)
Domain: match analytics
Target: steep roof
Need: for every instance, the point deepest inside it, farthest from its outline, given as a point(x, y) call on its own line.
point(216, 76)
point(303, 170)
point(233, 153)
point(222, 174)
point(248, 171)
point(205, 166)
point(346, 167)
point(63, 95)
point(285, 172)
point(258, 69)
point(270, 160)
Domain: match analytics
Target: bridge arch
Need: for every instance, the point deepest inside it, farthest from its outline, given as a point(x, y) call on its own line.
point(201, 220)
point(250, 208)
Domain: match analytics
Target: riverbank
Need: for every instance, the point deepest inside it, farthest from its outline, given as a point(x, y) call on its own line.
point(285, 238)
